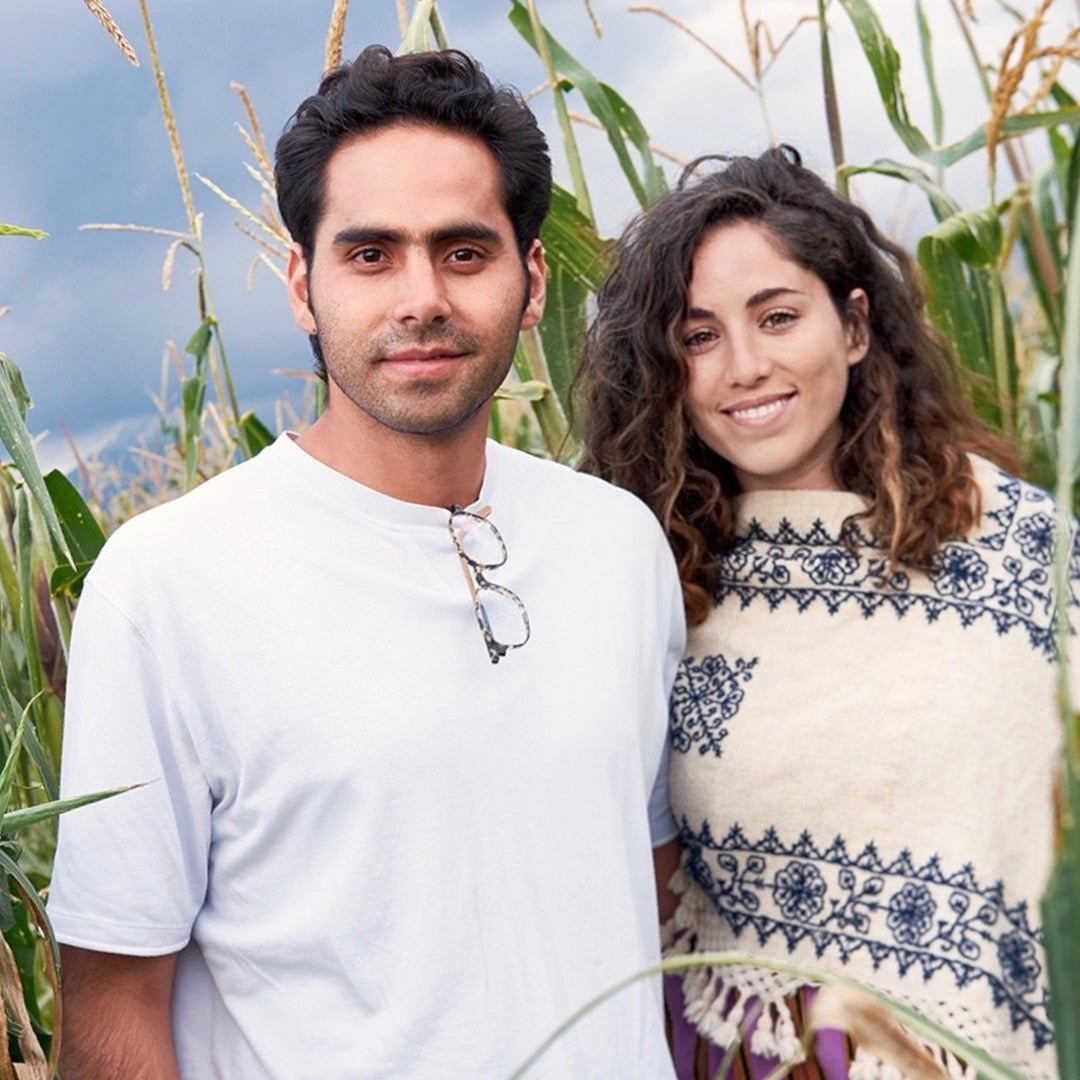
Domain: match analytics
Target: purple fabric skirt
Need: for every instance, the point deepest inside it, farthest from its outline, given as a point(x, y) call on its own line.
point(697, 1059)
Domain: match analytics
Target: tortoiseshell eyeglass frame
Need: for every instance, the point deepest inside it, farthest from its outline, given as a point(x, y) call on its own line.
point(474, 578)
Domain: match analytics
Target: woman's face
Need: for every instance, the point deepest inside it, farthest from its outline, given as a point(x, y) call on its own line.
point(769, 357)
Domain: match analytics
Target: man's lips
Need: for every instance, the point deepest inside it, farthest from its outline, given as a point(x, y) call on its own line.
point(427, 363)
point(420, 356)
point(758, 410)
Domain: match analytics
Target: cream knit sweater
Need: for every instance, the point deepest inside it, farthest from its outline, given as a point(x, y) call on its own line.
point(862, 770)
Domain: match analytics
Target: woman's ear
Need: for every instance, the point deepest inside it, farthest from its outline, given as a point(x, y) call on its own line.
point(857, 319)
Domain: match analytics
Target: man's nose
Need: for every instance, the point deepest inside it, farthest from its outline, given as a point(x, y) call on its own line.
point(422, 293)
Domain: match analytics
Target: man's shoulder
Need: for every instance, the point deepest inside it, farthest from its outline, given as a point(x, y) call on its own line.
point(542, 478)
point(195, 521)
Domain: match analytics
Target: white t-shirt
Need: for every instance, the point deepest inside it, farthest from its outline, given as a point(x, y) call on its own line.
point(381, 855)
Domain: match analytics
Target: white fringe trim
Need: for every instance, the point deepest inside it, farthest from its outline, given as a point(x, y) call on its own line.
point(866, 1066)
point(716, 1000)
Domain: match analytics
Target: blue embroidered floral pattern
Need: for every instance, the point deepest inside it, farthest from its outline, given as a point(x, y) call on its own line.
point(1035, 535)
point(925, 920)
point(1019, 964)
point(974, 580)
point(799, 890)
point(706, 695)
point(959, 572)
point(911, 913)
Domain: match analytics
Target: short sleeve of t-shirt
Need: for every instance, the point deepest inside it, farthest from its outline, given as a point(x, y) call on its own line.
point(671, 624)
point(131, 870)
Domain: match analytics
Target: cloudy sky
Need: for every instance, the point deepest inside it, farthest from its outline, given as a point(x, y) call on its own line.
point(81, 141)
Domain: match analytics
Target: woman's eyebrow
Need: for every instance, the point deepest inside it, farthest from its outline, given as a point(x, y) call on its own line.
point(760, 297)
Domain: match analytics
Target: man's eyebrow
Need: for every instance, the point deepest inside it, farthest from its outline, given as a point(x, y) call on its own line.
point(760, 297)
point(465, 230)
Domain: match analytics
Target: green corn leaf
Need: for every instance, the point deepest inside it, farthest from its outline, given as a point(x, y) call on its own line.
point(941, 203)
point(618, 120)
point(926, 45)
point(81, 530)
point(14, 401)
point(7, 909)
point(30, 735)
point(9, 580)
point(959, 305)
point(1061, 925)
point(530, 363)
point(1060, 153)
point(1061, 903)
point(18, 230)
point(418, 34)
point(192, 397)
point(200, 340)
point(68, 580)
point(634, 129)
point(975, 235)
point(7, 774)
point(885, 65)
point(24, 550)
point(884, 62)
point(38, 755)
point(10, 868)
point(1046, 214)
point(257, 436)
point(1013, 125)
point(575, 268)
point(1072, 190)
point(16, 820)
point(533, 390)
point(24, 546)
point(1061, 96)
point(570, 241)
point(562, 329)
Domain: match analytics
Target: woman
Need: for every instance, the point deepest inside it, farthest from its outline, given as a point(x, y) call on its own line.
point(864, 725)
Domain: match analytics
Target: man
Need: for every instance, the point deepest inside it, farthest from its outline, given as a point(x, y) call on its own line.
point(401, 691)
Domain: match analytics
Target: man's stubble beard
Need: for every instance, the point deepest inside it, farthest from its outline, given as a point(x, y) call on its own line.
point(415, 409)
point(382, 407)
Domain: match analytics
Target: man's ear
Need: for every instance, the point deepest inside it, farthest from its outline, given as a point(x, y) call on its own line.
point(536, 275)
point(298, 284)
point(857, 321)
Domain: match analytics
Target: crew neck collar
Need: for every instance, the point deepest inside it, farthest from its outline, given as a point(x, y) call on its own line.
point(356, 497)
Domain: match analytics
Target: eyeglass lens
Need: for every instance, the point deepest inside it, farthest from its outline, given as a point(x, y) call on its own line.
point(480, 542)
point(503, 614)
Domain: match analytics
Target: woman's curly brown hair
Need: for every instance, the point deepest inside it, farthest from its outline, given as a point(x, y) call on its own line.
point(906, 421)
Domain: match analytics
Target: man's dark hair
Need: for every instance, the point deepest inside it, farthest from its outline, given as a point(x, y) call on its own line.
point(446, 90)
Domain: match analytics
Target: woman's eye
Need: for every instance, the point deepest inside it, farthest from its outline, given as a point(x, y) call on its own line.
point(776, 319)
point(698, 339)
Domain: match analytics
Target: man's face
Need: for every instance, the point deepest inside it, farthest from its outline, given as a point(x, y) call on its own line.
point(416, 289)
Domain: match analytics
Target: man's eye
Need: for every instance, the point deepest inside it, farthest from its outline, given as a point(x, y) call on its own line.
point(464, 255)
point(368, 256)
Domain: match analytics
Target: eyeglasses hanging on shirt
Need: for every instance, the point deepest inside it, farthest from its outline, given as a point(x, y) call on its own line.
point(499, 611)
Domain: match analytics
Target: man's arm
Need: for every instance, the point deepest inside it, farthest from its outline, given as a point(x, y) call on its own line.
point(115, 1021)
point(666, 862)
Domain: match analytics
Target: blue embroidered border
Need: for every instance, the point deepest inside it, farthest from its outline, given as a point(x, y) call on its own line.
point(922, 919)
point(975, 580)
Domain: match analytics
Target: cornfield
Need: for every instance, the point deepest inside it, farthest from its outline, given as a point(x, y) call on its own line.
point(1003, 277)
